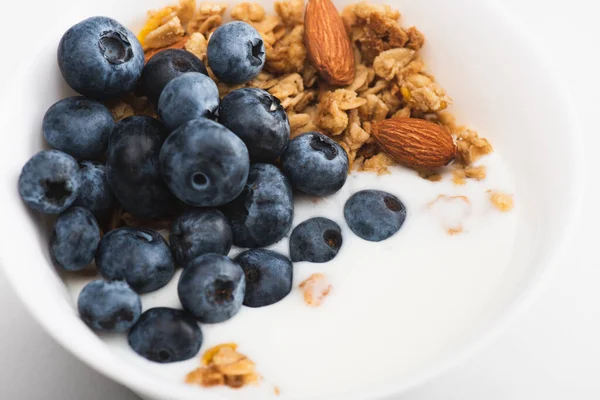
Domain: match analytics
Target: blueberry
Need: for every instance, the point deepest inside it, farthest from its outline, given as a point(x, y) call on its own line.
point(94, 192)
point(74, 239)
point(49, 181)
point(315, 164)
point(259, 120)
point(190, 96)
point(100, 58)
point(316, 240)
point(165, 335)
point(139, 256)
point(165, 66)
point(374, 215)
point(212, 288)
point(78, 126)
point(133, 170)
point(236, 52)
point(204, 164)
point(197, 232)
point(268, 276)
point(109, 306)
point(263, 213)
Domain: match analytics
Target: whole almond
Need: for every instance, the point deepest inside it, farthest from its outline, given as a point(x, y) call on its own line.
point(415, 142)
point(327, 43)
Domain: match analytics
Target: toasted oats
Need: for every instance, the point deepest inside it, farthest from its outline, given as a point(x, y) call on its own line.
point(120, 109)
point(288, 54)
point(378, 163)
point(186, 10)
point(477, 173)
point(197, 45)
point(249, 12)
point(290, 11)
point(180, 44)
point(423, 93)
point(224, 365)
point(402, 113)
point(289, 86)
point(165, 35)
point(459, 176)
point(374, 109)
point(433, 176)
point(391, 79)
point(156, 18)
point(332, 109)
point(502, 201)
point(315, 289)
point(390, 62)
point(207, 18)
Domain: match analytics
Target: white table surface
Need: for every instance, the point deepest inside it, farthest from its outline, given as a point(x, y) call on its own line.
point(551, 352)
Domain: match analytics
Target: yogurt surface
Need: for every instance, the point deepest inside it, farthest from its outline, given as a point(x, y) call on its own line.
point(395, 305)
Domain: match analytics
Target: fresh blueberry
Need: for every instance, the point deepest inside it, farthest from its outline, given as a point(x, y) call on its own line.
point(74, 239)
point(165, 335)
point(268, 276)
point(204, 164)
point(190, 96)
point(100, 58)
point(78, 126)
point(49, 181)
point(139, 256)
point(109, 306)
point(236, 52)
point(259, 120)
point(165, 66)
point(212, 288)
point(133, 170)
point(316, 240)
point(197, 232)
point(94, 192)
point(263, 213)
point(315, 164)
point(374, 215)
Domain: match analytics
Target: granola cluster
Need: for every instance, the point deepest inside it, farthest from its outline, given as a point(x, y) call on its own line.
point(391, 78)
point(224, 365)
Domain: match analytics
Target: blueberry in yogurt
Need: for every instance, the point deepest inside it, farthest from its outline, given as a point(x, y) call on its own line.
point(316, 240)
point(374, 215)
point(165, 335)
point(211, 288)
point(269, 276)
point(109, 306)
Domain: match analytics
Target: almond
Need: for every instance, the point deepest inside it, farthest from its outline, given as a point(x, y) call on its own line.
point(414, 142)
point(327, 43)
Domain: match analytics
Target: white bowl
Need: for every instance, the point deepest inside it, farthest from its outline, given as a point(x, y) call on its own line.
point(498, 82)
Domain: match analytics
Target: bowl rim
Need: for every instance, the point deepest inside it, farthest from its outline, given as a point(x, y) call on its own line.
point(488, 333)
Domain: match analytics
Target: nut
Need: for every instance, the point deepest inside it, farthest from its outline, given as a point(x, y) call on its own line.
point(414, 142)
point(327, 43)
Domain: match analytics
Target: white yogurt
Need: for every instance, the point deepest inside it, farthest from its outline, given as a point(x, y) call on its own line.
point(394, 306)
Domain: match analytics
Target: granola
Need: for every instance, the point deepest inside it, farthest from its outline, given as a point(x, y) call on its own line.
point(391, 78)
point(224, 365)
point(316, 287)
point(502, 201)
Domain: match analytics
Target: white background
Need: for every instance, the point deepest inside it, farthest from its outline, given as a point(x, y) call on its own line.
point(552, 351)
